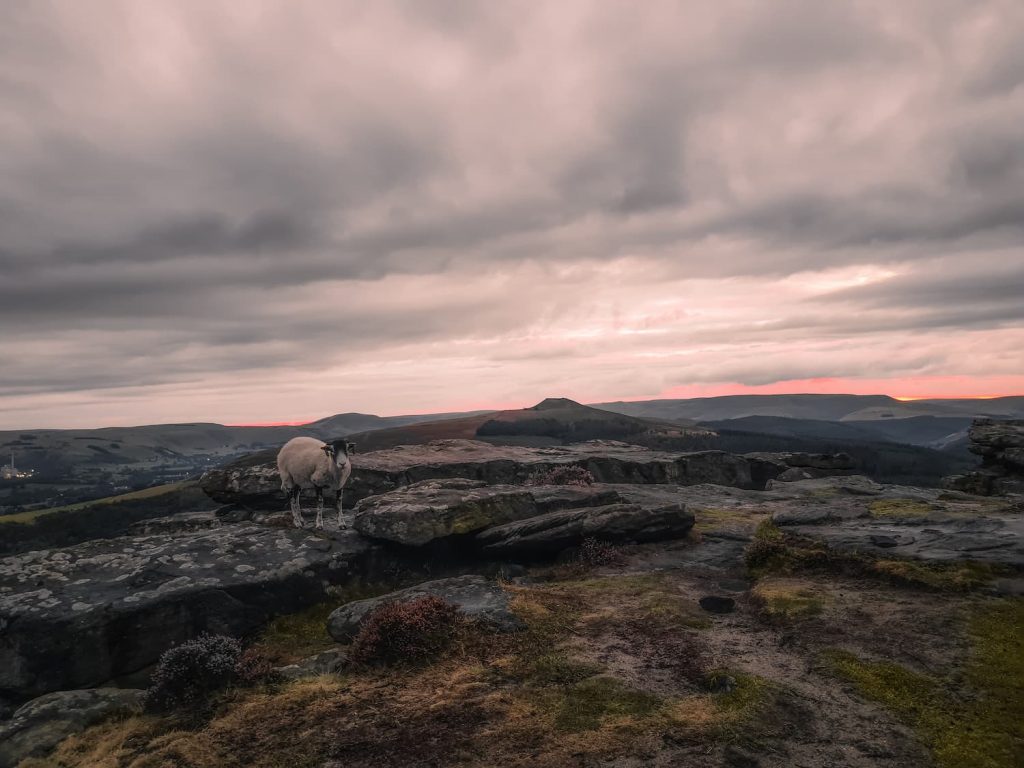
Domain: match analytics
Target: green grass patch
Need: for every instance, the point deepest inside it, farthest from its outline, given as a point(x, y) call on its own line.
point(648, 597)
point(899, 508)
point(738, 716)
point(750, 696)
point(782, 600)
point(714, 518)
point(558, 669)
point(146, 493)
point(958, 576)
point(978, 723)
point(585, 705)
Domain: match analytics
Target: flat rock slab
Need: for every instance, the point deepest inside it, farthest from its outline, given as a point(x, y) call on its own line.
point(477, 597)
point(856, 514)
point(41, 724)
point(253, 482)
point(105, 609)
point(986, 540)
point(437, 509)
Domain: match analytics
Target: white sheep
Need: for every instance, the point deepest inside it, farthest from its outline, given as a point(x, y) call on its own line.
point(305, 462)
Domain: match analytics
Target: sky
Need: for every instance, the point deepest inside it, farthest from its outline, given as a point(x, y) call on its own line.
point(275, 211)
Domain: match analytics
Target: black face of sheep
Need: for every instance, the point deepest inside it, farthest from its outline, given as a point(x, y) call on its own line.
point(343, 447)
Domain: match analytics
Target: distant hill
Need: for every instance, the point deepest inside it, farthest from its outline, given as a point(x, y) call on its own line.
point(343, 424)
point(929, 431)
point(553, 421)
point(57, 450)
point(816, 407)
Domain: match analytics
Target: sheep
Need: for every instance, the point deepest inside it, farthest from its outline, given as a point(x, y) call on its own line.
point(305, 462)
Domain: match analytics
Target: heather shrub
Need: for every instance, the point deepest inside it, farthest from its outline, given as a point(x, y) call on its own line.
point(407, 631)
point(253, 667)
point(188, 673)
point(566, 474)
point(596, 553)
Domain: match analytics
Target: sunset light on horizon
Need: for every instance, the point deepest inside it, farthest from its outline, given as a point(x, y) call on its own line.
point(838, 212)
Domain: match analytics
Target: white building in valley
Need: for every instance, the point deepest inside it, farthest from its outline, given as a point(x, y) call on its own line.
point(11, 472)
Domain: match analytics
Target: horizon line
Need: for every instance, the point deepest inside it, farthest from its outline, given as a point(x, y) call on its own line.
point(899, 398)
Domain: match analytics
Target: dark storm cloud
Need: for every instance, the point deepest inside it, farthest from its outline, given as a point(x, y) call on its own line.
point(190, 190)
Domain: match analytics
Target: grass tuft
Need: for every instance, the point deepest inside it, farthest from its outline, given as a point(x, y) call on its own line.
point(958, 576)
point(585, 705)
point(899, 508)
point(787, 600)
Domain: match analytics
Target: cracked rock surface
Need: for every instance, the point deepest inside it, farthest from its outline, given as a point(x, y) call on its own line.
point(84, 615)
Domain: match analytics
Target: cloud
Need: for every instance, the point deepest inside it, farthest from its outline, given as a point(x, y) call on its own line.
point(428, 199)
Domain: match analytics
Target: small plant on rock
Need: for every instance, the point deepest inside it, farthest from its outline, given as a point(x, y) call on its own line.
point(187, 674)
point(767, 546)
point(411, 631)
point(253, 667)
point(566, 474)
point(595, 553)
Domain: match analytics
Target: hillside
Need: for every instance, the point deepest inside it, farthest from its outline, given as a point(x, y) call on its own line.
point(75, 465)
point(929, 431)
point(817, 407)
point(553, 421)
point(46, 448)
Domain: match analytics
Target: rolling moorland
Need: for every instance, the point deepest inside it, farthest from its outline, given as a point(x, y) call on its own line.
point(489, 601)
point(918, 441)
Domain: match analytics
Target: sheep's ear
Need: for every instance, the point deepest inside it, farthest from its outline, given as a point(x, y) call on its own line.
point(350, 447)
point(329, 450)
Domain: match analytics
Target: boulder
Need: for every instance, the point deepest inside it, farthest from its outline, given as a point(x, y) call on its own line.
point(252, 482)
point(105, 610)
point(1000, 443)
point(438, 509)
point(1001, 440)
point(248, 487)
point(550, 533)
point(41, 724)
point(976, 483)
point(477, 597)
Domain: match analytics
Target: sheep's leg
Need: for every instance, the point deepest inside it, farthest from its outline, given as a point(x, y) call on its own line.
point(296, 504)
point(319, 508)
point(337, 503)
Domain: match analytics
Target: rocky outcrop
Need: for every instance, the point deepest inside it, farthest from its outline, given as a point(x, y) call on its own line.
point(41, 724)
point(855, 514)
point(477, 598)
point(534, 521)
point(1001, 447)
point(107, 609)
point(253, 482)
point(438, 509)
point(250, 487)
point(555, 531)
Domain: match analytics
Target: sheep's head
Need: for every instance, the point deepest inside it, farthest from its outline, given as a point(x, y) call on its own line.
point(339, 450)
